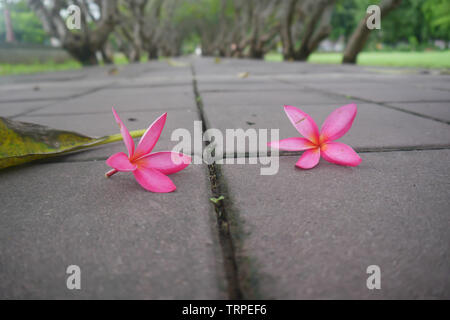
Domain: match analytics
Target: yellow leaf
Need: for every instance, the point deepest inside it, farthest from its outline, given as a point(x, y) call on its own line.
point(22, 142)
point(113, 71)
point(243, 75)
point(174, 63)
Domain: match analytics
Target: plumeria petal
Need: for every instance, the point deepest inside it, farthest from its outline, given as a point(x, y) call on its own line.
point(150, 137)
point(303, 123)
point(309, 159)
point(292, 144)
point(153, 180)
point(340, 153)
point(120, 162)
point(127, 139)
point(338, 123)
point(165, 162)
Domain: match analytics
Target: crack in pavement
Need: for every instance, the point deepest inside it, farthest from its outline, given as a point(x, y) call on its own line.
point(226, 222)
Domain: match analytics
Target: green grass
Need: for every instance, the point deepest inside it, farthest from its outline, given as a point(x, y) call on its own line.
point(433, 59)
point(9, 69)
point(22, 68)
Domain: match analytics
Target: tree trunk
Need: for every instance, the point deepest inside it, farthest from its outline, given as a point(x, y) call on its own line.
point(286, 29)
point(83, 45)
point(313, 35)
point(359, 37)
point(153, 53)
point(107, 54)
point(83, 54)
point(8, 25)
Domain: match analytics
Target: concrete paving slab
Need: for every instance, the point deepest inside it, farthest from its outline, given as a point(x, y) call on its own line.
point(367, 77)
point(154, 81)
point(312, 234)
point(438, 110)
point(127, 99)
point(401, 92)
point(258, 67)
point(37, 93)
point(9, 109)
point(324, 80)
point(264, 98)
point(375, 127)
point(78, 84)
point(98, 73)
point(60, 76)
point(248, 85)
point(323, 76)
point(129, 243)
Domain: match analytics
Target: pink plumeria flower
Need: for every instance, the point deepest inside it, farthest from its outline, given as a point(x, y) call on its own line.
point(316, 144)
point(149, 169)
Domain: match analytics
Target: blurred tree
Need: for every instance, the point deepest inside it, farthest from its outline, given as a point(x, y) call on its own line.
point(409, 22)
point(98, 19)
point(437, 16)
point(264, 27)
point(361, 34)
point(214, 22)
point(8, 26)
point(234, 28)
point(345, 18)
point(168, 36)
point(150, 30)
point(307, 20)
point(129, 29)
point(404, 24)
point(25, 25)
point(148, 26)
point(230, 28)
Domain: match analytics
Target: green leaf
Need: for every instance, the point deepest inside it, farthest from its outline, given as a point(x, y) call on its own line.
point(22, 142)
point(217, 200)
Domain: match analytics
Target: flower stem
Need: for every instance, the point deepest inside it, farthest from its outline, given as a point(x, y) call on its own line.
point(110, 173)
point(118, 137)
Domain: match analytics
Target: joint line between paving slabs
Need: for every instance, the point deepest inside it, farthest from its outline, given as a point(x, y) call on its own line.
point(223, 217)
point(53, 101)
point(282, 153)
point(381, 104)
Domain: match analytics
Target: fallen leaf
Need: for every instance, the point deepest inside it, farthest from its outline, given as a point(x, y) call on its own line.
point(113, 71)
point(22, 142)
point(243, 75)
point(173, 63)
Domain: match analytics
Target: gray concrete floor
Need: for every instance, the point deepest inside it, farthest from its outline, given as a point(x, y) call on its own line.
point(294, 235)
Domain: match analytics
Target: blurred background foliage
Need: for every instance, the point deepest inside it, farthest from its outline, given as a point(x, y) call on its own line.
point(125, 31)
